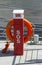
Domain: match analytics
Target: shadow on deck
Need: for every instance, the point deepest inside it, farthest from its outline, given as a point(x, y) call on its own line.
point(9, 53)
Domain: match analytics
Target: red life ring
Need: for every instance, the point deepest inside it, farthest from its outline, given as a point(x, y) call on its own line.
point(27, 24)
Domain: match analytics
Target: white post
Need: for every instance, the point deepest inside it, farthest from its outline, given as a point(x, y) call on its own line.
point(36, 38)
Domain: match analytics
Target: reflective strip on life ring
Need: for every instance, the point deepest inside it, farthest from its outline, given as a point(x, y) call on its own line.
point(26, 23)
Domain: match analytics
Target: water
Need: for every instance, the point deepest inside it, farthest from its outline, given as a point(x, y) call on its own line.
point(32, 8)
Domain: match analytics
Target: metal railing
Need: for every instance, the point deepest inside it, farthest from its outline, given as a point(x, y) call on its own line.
point(37, 30)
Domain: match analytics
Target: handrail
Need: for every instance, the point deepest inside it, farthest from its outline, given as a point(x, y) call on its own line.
point(3, 34)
